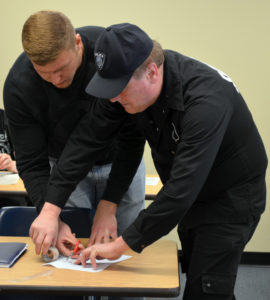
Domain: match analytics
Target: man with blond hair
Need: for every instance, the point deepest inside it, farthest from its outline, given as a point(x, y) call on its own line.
point(44, 97)
point(206, 149)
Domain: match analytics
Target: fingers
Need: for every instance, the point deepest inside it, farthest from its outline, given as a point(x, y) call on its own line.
point(43, 233)
point(102, 236)
point(110, 251)
point(88, 253)
point(5, 161)
point(66, 240)
point(98, 239)
point(37, 240)
point(106, 237)
point(105, 224)
point(47, 243)
point(66, 247)
point(42, 242)
point(114, 235)
point(84, 257)
point(93, 256)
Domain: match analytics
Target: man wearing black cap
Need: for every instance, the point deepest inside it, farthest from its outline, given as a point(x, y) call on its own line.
point(206, 149)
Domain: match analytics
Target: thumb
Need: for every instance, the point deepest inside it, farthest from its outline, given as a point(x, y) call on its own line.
point(66, 251)
point(66, 245)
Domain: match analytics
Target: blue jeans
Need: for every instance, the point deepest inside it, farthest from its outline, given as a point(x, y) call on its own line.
point(90, 190)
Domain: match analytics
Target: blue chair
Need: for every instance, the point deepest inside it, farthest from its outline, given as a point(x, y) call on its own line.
point(16, 221)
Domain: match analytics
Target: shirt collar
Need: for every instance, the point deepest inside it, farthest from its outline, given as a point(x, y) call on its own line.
point(171, 93)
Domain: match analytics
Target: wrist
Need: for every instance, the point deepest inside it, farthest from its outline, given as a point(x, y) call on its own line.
point(120, 245)
point(109, 206)
point(50, 209)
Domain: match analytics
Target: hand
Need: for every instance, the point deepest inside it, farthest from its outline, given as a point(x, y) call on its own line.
point(104, 224)
point(66, 239)
point(7, 163)
point(44, 229)
point(111, 250)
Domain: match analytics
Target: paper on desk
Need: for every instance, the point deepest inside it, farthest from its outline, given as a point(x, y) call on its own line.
point(65, 263)
point(8, 178)
point(151, 180)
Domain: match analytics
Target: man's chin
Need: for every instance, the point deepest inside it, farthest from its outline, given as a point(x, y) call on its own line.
point(130, 110)
point(63, 85)
point(134, 110)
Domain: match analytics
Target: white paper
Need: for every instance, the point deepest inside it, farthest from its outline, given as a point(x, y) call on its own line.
point(152, 180)
point(64, 262)
point(8, 178)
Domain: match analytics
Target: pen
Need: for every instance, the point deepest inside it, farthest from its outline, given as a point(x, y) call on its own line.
point(76, 249)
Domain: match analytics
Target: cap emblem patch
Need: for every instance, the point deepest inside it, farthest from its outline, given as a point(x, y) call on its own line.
point(100, 60)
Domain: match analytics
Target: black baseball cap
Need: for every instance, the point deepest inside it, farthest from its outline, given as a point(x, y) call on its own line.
point(119, 51)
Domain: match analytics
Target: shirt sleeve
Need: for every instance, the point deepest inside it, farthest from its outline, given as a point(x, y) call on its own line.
point(88, 143)
point(30, 144)
point(203, 127)
point(128, 155)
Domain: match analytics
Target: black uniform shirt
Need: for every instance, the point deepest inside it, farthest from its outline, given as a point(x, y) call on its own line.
point(205, 146)
point(206, 149)
point(42, 117)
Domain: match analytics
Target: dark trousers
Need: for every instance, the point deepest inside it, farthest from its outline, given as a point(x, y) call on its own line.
point(210, 257)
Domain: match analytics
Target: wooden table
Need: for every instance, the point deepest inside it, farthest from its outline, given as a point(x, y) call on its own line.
point(13, 189)
point(152, 190)
point(19, 189)
point(153, 273)
point(14, 194)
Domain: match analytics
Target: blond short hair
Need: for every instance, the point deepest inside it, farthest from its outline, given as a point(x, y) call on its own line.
point(45, 34)
point(156, 56)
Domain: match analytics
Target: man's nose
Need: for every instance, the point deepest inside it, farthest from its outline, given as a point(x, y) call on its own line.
point(55, 78)
point(115, 99)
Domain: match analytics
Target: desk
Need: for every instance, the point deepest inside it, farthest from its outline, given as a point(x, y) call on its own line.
point(152, 190)
point(19, 189)
point(14, 194)
point(153, 273)
point(13, 189)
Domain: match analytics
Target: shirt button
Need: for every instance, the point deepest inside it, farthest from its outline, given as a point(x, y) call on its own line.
point(157, 129)
point(173, 152)
point(208, 284)
point(142, 246)
point(164, 111)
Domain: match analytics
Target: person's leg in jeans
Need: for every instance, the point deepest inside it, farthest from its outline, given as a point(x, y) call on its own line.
point(211, 255)
point(84, 193)
point(90, 190)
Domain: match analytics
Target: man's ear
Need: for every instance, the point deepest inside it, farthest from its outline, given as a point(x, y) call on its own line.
point(152, 72)
point(78, 40)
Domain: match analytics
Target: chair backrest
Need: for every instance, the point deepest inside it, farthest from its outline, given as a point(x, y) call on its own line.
point(16, 220)
point(79, 220)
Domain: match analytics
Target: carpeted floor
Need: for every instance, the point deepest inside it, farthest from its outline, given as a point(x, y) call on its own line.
point(253, 283)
